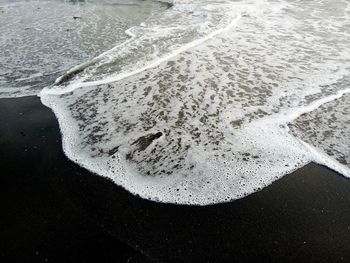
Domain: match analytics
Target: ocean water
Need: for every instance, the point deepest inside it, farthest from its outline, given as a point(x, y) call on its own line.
point(41, 40)
point(202, 102)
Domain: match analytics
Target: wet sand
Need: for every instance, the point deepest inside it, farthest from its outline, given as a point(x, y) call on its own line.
point(55, 211)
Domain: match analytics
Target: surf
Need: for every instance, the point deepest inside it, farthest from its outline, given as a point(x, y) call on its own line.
point(205, 119)
point(210, 101)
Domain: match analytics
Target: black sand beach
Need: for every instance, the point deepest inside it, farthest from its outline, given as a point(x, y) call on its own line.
point(55, 211)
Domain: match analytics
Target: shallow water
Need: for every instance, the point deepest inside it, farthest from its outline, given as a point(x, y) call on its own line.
point(209, 101)
point(327, 128)
point(40, 40)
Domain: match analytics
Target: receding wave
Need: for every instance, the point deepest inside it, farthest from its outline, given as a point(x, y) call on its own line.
point(209, 101)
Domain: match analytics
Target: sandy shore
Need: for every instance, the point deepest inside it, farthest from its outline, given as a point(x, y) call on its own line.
point(56, 211)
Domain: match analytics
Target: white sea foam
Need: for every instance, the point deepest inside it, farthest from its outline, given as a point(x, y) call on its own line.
point(186, 25)
point(207, 102)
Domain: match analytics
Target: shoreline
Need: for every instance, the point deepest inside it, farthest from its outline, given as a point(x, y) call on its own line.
point(56, 210)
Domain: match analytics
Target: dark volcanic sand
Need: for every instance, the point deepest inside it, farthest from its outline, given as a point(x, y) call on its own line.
point(56, 211)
